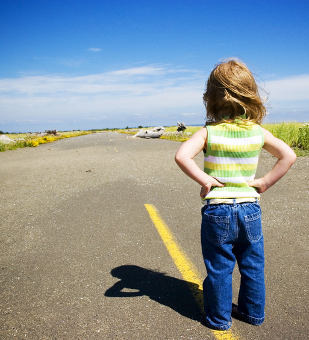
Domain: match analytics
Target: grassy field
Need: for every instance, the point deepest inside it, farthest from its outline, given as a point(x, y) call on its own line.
point(296, 135)
point(23, 140)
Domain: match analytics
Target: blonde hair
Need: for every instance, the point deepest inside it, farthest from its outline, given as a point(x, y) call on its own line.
point(232, 92)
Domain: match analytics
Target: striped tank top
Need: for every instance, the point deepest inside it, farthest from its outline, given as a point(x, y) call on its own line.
point(232, 157)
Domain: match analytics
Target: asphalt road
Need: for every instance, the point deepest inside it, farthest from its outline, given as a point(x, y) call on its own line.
point(81, 258)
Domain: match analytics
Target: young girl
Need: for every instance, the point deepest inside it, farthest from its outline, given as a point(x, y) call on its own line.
point(231, 217)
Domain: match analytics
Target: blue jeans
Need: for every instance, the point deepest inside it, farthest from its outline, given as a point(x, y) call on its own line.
point(230, 233)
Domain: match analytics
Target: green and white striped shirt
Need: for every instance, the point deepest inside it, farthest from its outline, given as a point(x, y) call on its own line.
point(232, 157)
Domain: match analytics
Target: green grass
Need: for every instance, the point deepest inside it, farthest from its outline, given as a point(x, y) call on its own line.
point(189, 129)
point(296, 135)
point(23, 140)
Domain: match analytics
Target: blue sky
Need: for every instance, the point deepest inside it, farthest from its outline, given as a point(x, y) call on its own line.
point(72, 64)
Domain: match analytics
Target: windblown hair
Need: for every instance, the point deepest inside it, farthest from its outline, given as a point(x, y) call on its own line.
point(232, 92)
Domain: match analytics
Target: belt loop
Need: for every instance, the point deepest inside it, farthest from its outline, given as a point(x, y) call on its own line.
point(234, 202)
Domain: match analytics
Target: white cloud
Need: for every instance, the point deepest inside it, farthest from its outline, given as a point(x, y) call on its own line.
point(189, 114)
point(140, 93)
point(291, 88)
point(134, 81)
point(95, 49)
point(288, 99)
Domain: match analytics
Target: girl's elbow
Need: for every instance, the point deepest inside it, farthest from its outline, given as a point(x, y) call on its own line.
point(180, 158)
point(293, 158)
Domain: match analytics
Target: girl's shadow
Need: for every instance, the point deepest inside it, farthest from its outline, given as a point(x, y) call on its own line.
point(169, 291)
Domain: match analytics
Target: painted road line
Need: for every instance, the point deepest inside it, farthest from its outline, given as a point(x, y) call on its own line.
point(183, 263)
point(185, 266)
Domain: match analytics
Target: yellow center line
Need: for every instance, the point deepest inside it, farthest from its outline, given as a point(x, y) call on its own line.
point(185, 266)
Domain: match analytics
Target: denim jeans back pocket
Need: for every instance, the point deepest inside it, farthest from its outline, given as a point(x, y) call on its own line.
point(215, 228)
point(253, 225)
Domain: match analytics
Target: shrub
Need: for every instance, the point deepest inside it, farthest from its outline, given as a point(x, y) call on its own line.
point(31, 140)
point(303, 137)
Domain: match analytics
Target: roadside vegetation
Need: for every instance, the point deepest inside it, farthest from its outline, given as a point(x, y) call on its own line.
point(295, 135)
point(22, 140)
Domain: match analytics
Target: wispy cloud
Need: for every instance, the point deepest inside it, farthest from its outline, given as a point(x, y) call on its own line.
point(93, 49)
point(189, 114)
point(288, 99)
point(134, 81)
point(291, 88)
point(140, 93)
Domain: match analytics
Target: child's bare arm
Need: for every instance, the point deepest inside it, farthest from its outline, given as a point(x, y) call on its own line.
point(286, 157)
point(184, 159)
